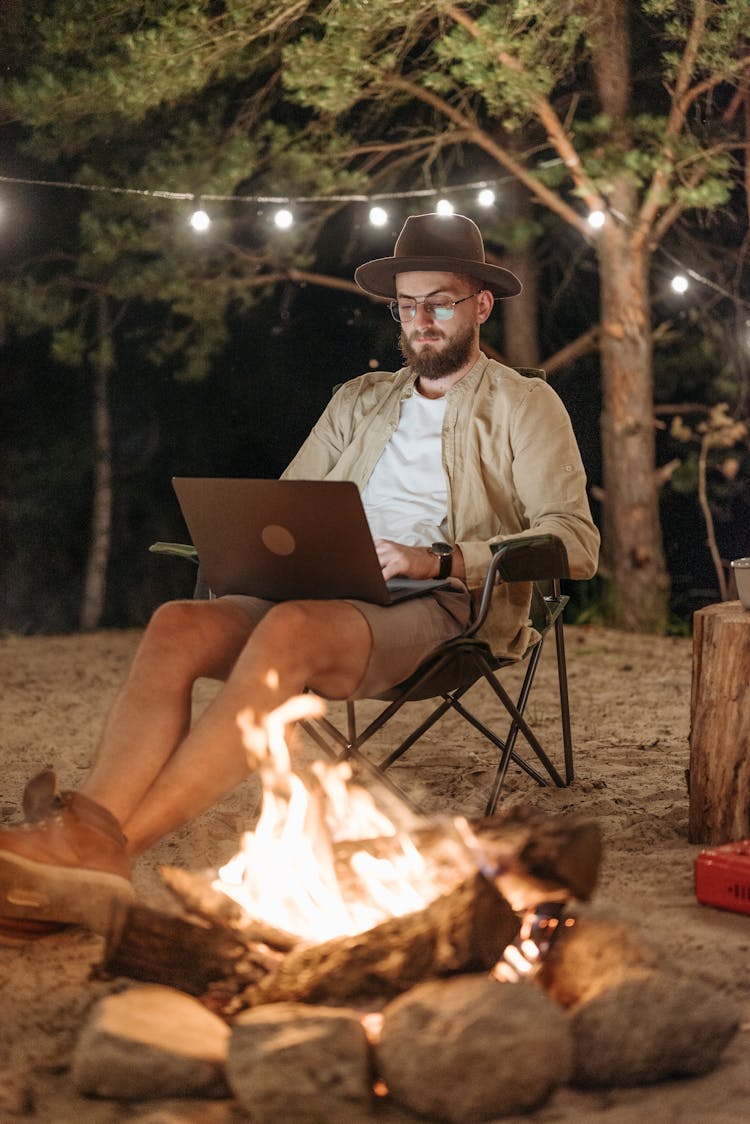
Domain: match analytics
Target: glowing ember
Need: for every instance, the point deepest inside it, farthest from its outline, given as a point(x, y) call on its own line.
point(287, 871)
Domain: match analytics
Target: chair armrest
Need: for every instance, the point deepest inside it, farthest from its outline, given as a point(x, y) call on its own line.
point(181, 549)
point(531, 558)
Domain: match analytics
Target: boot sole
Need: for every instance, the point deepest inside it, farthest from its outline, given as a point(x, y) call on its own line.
point(38, 892)
point(14, 931)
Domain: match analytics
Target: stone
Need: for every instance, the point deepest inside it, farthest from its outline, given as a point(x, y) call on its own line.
point(471, 1048)
point(300, 1064)
point(594, 955)
point(648, 1028)
point(151, 1041)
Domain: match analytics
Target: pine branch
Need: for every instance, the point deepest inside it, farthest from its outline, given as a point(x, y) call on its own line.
point(547, 116)
point(682, 98)
point(482, 140)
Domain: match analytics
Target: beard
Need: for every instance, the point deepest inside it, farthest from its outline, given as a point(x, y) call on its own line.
point(432, 365)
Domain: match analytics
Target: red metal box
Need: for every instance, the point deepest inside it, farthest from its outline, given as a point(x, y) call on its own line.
point(722, 876)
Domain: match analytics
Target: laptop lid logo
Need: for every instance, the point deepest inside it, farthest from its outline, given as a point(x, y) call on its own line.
point(278, 540)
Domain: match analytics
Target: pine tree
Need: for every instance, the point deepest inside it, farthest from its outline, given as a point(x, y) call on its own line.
point(591, 105)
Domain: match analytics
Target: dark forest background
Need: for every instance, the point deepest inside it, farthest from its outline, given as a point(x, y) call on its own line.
point(133, 348)
point(248, 417)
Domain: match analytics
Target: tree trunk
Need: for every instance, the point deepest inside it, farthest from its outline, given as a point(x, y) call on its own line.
point(633, 551)
point(95, 585)
point(520, 316)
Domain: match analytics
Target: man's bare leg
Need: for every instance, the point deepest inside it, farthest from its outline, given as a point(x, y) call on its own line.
point(71, 860)
point(325, 645)
point(184, 641)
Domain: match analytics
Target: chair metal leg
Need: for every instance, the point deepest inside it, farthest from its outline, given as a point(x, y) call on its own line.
point(351, 722)
point(562, 678)
point(523, 725)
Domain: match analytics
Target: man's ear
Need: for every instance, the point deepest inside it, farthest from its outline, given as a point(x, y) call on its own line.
point(485, 304)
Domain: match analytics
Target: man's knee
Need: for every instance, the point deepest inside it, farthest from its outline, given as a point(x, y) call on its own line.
point(326, 642)
point(172, 622)
point(205, 636)
point(318, 622)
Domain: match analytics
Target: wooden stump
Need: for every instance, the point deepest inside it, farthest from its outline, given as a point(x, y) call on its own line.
point(720, 725)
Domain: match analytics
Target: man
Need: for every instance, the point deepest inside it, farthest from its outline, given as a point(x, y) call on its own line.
point(451, 453)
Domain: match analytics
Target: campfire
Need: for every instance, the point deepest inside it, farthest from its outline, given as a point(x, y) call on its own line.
point(438, 959)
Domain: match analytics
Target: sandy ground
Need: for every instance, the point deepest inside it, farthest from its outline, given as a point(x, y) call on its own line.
point(630, 701)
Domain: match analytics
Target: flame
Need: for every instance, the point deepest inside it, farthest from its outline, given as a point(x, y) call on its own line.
point(287, 871)
point(302, 871)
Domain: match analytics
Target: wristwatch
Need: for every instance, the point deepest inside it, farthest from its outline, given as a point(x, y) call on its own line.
point(443, 551)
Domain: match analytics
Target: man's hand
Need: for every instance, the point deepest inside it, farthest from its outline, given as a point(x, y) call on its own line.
point(397, 560)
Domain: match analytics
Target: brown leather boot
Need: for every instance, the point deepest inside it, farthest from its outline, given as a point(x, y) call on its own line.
point(64, 864)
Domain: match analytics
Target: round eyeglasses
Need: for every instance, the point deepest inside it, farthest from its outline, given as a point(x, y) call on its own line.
point(441, 306)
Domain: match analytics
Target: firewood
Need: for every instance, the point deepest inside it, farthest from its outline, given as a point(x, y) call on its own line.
point(156, 947)
point(465, 930)
point(533, 855)
point(197, 895)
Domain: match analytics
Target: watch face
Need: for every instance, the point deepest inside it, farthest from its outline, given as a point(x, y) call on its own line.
point(442, 549)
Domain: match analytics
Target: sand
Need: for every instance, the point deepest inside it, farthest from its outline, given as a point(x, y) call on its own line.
point(630, 699)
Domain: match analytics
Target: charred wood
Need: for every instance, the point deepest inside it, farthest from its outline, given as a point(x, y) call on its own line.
point(156, 947)
point(465, 930)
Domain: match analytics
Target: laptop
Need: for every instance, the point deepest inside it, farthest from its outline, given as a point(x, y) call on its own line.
point(287, 539)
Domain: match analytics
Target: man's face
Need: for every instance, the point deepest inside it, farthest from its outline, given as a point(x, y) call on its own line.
point(435, 348)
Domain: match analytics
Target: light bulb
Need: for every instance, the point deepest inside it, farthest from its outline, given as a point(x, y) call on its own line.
point(679, 283)
point(283, 219)
point(378, 217)
point(200, 221)
point(596, 219)
point(486, 197)
point(444, 207)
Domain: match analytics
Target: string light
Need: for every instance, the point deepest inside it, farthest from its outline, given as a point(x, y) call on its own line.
point(283, 218)
point(200, 220)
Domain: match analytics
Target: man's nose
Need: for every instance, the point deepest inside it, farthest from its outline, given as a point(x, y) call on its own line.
point(422, 315)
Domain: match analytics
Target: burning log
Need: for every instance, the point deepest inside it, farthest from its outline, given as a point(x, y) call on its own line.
point(198, 896)
point(465, 930)
point(147, 944)
point(533, 856)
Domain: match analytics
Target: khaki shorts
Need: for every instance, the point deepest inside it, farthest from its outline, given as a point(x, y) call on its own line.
point(403, 634)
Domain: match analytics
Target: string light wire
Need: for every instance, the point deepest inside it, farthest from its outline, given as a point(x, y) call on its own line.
point(484, 187)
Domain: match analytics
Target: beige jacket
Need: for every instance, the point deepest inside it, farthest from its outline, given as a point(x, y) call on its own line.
point(511, 463)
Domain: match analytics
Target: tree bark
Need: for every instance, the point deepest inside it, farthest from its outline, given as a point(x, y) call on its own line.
point(521, 315)
point(720, 725)
point(632, 539)
point(633, 551)
point(95, 583)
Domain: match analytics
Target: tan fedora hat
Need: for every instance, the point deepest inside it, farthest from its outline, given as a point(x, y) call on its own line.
point(442, 243)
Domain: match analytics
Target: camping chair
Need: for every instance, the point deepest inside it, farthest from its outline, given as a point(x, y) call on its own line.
point(457, 665)
point(450, 671)
point(460, 663)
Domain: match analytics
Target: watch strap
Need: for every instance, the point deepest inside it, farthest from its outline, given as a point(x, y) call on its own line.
point(444, 553)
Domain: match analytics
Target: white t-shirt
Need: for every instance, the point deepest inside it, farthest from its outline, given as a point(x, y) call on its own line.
point(406, 498)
